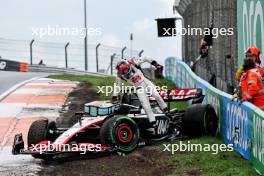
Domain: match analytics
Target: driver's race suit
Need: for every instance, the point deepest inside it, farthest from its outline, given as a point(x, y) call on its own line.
point(143, 86)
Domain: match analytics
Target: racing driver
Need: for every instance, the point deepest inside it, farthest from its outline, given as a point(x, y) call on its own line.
point(130, 71)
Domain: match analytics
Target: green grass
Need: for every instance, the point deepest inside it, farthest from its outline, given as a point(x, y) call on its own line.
point(185, 163)
point(207, 164)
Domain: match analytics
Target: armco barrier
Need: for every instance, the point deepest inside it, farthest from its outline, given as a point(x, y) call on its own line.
point(57, 70)
point(239, 124)
point(9, 65)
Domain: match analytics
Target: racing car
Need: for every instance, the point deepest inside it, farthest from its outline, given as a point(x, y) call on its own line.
point(122, 127)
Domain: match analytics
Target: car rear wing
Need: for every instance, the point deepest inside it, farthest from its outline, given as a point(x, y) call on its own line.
point(180, 94)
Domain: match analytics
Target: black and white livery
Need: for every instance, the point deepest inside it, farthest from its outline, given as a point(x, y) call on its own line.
point(121, 127)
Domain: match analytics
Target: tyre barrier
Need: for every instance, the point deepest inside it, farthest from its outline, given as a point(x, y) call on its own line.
point(240, 124)
point(9, 65)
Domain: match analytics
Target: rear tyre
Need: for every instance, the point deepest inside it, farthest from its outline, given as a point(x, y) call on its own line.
point(38, 132)
point(120, 132)
point(200, 120)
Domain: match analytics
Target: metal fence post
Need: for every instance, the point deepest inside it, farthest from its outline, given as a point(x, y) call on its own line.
point(66, 55)
point(97, 59)
point(122, 52)
point(111, 62)
point(140, 53)
point(31, 51)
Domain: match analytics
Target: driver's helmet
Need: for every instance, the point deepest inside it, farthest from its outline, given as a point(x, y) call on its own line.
point(123, 69)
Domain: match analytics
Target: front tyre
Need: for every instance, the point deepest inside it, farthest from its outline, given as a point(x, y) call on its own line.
point(120, 132)
point(39, 131)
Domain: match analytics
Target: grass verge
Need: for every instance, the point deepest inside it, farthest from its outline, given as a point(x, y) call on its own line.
point(205, 163)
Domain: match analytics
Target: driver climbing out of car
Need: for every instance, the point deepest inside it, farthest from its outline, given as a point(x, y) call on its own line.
point(130, 71)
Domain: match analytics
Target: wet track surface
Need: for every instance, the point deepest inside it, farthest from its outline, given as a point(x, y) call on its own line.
point(19, 164)
point(9, 79)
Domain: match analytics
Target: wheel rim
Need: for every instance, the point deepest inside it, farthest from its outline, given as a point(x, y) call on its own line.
point(124, 134)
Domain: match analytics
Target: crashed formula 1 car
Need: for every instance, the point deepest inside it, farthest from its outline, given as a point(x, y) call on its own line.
point(122, 127)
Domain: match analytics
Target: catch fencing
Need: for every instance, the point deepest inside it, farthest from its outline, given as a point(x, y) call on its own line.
point(239, 124)
point(101, 58)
